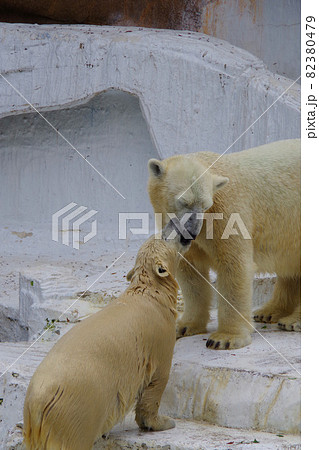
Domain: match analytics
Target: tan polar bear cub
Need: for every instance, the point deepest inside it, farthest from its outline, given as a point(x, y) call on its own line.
point(255, 195)
point(97, 371)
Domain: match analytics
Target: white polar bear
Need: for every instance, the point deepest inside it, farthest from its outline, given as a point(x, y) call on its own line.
point(261, 187)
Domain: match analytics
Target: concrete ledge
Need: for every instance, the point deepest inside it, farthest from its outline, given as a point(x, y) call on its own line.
point(254, 387)
point(190, 435)
point(158, 66)
point(46, 291)
point(186, 436)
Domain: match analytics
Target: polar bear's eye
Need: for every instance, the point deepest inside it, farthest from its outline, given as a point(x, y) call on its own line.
point(182, 202)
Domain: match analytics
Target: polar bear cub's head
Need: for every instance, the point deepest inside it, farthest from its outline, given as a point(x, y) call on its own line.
point(158, 257)
point(180, 185)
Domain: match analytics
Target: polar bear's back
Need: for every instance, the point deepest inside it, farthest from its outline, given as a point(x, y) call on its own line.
point(98, 368)
point(264, 188)
point(274, 157)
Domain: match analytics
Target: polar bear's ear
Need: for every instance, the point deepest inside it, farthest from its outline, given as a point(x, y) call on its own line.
point(155, 167)
point(130, 274)
point(161, 270)
point(219, 182)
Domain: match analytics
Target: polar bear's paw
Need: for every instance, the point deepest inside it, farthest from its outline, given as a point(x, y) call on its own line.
point(187, 328)
point(223, 341)
point(161, 423)
point(290, 323)
point(267, 316)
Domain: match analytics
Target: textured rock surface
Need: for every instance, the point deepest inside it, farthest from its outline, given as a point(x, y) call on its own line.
point(159, 66)
point(269, 29)
point(186, 436)
point(184, 92)
point(121, 96)
point(256, 387)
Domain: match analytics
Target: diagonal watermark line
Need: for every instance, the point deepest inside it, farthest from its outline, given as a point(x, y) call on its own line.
point(42, 334)
point(61, 135)
point(255, 329)
point(242, 134)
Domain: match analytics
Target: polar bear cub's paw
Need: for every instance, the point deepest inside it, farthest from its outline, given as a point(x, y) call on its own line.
point(188, 328)
point(160, 423)
point(223, 341)
point(290, 323)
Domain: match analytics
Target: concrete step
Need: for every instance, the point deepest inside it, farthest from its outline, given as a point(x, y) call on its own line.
point(256, 387)
point(32, 291)
point(187, 435)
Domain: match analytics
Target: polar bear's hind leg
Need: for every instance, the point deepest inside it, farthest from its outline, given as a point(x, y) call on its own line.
point(284, 307)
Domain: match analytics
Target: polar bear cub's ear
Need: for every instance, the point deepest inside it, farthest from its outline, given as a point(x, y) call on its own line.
point(130, 274)
point(219, 182)
point(156, 167)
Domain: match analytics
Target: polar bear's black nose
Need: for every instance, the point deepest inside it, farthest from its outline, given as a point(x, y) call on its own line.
point(193, 225)
point(184, 241)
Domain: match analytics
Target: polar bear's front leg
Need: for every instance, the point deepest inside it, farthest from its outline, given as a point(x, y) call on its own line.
point(197, 295)
point(235, 287)
point(146, 411)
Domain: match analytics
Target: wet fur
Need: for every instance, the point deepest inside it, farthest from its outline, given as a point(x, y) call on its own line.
point(105, 364)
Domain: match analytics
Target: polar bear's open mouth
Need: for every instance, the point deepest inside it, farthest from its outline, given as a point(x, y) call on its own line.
point(185, 233)
point(185, 241)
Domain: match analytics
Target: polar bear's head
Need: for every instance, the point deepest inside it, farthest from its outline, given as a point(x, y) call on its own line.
point(181, 185)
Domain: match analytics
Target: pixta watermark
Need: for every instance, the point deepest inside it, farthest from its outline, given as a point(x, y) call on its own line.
point(67, 221)
point(183, 225)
